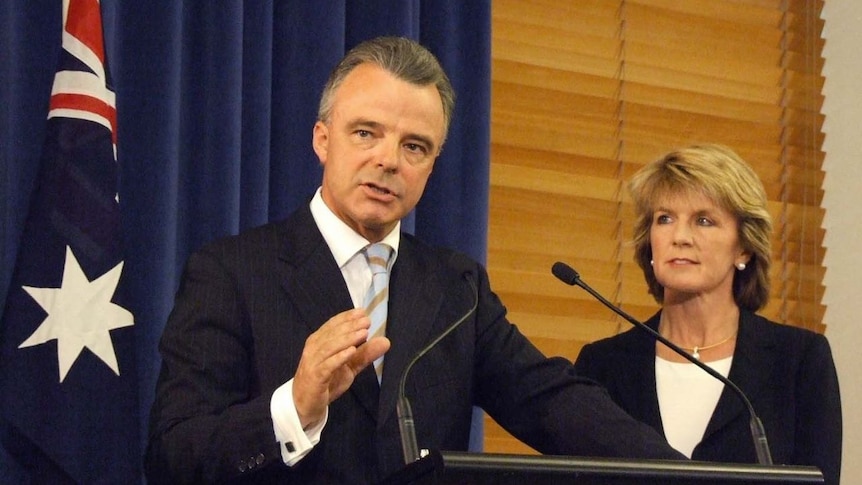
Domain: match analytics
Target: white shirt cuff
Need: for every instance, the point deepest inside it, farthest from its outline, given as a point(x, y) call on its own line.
point(294, 442)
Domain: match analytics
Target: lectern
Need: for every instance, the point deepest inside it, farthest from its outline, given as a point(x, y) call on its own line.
point(445, 468)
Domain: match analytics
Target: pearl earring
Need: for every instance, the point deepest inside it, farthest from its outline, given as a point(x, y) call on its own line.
point(651, 262)
point(740, 266)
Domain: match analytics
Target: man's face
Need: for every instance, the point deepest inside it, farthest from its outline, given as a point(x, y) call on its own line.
point(378, 148)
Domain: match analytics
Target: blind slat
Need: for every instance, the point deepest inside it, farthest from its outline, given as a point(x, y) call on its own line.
point(585, 93)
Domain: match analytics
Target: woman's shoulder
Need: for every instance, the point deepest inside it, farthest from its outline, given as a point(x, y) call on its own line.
point(763, 324)
point(789, 337)
point(628, 340)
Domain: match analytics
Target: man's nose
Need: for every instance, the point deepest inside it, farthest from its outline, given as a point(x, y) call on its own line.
point(389, 155)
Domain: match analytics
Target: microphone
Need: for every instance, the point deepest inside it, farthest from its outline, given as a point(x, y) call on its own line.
point(569, 276)
point(409, 445)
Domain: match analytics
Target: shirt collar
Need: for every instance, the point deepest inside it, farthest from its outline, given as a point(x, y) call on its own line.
point(342, 240)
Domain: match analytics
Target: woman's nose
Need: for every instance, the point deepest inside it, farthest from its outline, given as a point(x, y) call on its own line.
point(682, 235)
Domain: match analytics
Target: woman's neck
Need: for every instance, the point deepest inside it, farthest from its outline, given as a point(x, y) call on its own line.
point(708, 330)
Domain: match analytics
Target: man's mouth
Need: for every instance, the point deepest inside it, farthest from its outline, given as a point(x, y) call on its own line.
point(379, 190)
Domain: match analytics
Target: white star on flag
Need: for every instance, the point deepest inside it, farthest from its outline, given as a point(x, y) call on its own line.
point(80, 314)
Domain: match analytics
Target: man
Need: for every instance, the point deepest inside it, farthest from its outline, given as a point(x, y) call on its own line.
point(267, 367)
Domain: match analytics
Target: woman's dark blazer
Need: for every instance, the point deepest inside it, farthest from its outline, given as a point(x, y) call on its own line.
point(786, 372)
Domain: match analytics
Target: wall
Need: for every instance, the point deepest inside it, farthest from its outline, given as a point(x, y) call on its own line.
point(843, 222)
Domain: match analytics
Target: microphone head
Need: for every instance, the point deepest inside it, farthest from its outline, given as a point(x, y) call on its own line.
point(565, 273)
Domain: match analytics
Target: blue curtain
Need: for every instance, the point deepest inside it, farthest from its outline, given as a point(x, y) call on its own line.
point(216, 102)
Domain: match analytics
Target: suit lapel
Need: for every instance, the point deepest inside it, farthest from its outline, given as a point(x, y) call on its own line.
point(753, 363)
point(310, 277)
point(315, 285)
point(414, 300)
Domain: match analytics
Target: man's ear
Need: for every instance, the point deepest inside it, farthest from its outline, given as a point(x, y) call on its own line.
point(320, 141)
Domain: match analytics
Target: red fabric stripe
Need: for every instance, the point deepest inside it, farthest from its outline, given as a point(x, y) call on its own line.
point(84, 22)
point(89, 104)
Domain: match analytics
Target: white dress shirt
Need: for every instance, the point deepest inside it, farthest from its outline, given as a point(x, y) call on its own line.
point(346, 246)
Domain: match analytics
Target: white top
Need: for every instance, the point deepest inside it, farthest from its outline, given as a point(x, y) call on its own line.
point(687, 397)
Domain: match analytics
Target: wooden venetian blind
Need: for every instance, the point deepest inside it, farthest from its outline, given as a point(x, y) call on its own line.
point(586, 92)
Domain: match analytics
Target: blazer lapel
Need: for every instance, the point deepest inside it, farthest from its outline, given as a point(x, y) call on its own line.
point(753, 363)
point(642, 372)
point(315, 285)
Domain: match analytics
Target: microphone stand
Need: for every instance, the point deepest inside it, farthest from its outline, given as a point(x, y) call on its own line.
point(406, 427)
point(568, 275)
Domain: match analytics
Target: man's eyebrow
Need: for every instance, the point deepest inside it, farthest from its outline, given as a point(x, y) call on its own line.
point(363, 122)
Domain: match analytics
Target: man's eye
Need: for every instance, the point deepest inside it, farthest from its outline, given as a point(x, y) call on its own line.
point(414, 147)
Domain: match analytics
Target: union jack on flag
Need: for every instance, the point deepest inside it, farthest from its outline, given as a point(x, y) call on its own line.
point(67, 355)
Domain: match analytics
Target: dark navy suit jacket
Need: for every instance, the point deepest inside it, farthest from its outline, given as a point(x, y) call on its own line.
point(786, 372)
point(246, 305)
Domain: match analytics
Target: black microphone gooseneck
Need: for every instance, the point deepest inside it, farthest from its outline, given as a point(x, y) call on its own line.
point(569, 276)
point(409, 445)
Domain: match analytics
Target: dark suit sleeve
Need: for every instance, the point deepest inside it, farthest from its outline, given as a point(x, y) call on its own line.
point(585, 364)
point(542, 401)
point(208, 421)
point(818, 427)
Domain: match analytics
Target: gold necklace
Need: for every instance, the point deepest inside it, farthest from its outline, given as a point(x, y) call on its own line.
point(695, 351)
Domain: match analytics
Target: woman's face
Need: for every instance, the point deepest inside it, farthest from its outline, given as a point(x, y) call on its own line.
point(695, 247)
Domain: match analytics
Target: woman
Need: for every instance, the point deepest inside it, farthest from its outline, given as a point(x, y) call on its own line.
point(702, 239)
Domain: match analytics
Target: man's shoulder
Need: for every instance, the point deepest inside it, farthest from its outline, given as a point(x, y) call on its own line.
point(298, 223)
point(439, 256)
point(262, 235)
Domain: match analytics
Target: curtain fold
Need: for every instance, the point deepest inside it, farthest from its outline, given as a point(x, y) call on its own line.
point(216, 103)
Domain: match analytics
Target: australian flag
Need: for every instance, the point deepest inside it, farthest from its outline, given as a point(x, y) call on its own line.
point(69, 409)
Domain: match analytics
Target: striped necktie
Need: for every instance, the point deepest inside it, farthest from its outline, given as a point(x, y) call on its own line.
point(377, 298)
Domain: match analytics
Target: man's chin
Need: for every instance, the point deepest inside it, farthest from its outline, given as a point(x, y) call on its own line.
point(376, 226)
